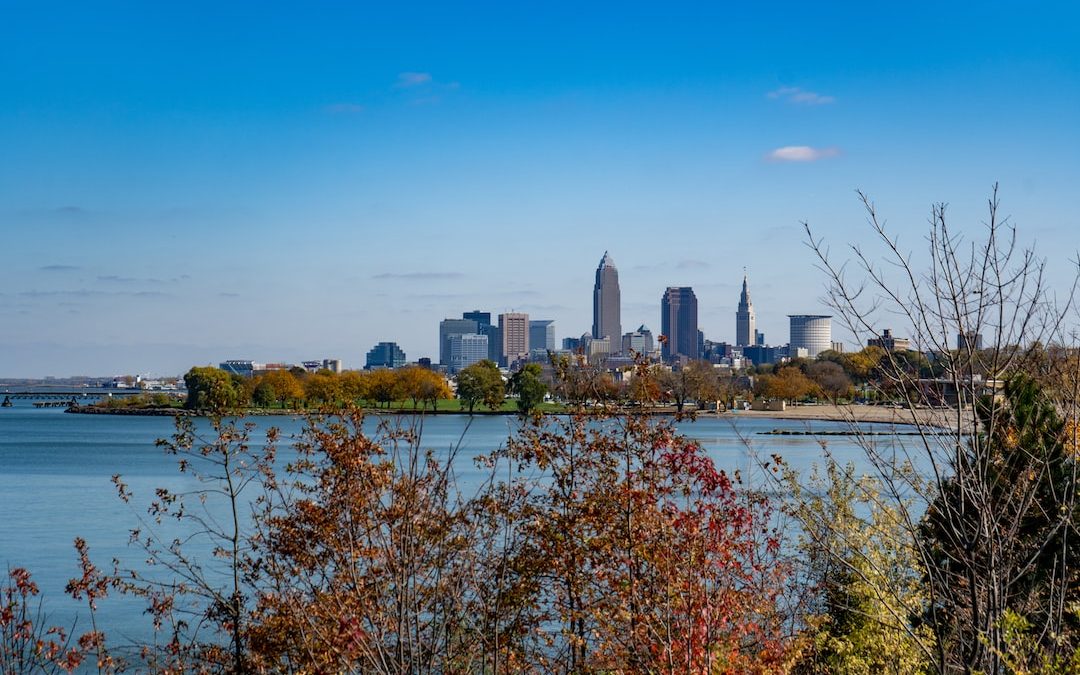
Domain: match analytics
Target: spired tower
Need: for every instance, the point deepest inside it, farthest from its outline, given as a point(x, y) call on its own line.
point(745, 324)
point(607, 311)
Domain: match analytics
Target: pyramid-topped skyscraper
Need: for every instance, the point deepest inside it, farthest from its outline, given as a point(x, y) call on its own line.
point(607, 312)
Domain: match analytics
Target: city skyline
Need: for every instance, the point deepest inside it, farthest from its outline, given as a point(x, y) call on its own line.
point(182, 185)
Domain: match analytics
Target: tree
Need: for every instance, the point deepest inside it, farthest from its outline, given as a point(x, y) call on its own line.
point(528, 387)
point(209, 388)
point(787, 383)
point(830, 379)
point(481, 383)
point(354, 386)
point(383, 385)
point(323, 386)
point(1031, 479)
point(991, 494)
point(285, 386)
point(434, 388)
point(706, 383)
point(854, 545)
point(680, 385)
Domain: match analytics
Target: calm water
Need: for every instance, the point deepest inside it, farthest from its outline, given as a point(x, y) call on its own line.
point(55, 471)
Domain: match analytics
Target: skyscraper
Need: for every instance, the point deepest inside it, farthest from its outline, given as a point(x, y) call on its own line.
point(513, 337)
point(607, 311)
point(542, 334)
point(679, 323)
point(449, 327)
point(466, 350)
point(745, 324)
point(812, 332)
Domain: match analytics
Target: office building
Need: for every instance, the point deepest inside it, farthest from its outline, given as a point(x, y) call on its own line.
point(542, 335)
point(679, 323)
point(607, 312)
point(513, 337)
point(466, 350)
point(385, 355)
point(571, 344)
point(812, 332)
point(969, 341)
point(640, 341)
point(451, 327)
point(481, 318)
point(889, 343)
point(745, 323)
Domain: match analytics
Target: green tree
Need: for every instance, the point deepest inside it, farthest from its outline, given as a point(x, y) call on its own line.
point(210, 389)
point(528, 387)
point(865, 576)
point(1018, 480)
point(481, 383)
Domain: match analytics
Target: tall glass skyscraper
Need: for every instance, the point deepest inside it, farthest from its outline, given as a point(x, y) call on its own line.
point(679, 323)
point(607, 321)
point(744, 318)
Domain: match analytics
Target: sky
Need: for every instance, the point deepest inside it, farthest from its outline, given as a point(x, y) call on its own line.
point(184, 183)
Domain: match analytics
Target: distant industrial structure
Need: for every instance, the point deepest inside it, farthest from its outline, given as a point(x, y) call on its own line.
point(812, 332)
point(889, 342)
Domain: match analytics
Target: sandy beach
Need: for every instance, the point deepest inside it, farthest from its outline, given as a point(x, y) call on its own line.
point(857, 413)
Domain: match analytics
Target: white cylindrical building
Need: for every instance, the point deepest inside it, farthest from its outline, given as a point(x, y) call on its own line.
point(812, 332)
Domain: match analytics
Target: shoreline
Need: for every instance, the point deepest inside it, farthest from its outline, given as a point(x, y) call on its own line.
point(852, 414)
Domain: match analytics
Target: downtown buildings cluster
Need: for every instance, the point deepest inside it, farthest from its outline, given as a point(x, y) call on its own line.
point(512, 338)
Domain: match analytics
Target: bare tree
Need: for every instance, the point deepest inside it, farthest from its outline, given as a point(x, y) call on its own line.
point(986, 491)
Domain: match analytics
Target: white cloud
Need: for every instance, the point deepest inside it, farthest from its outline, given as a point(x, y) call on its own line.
point(411, 79)
point(800, 96)
point(801, 153)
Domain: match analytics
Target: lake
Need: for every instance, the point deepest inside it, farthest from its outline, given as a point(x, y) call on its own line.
point(55, 469)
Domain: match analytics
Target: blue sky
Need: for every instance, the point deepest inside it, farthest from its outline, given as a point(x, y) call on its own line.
point(187, 183)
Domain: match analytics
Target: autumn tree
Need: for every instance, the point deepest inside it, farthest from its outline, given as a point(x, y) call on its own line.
point(285, 386)
point(354, 386)
point(323, 386)
point(383, 386)
point(787, 383)
point(830, 379)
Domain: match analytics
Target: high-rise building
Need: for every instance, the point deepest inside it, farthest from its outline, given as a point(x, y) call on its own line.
point(466, 350)
point(679, 323)
point(607, 312)
point(481, 318)
point(969, 341)
point(812, 332)
point(639, 341)
point(385, 355)
point(542, 335)
point(513, 337)
point(745, 323)
point(449, 327)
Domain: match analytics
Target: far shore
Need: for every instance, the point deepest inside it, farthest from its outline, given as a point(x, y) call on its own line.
point(938, 417)
point(828, 412)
